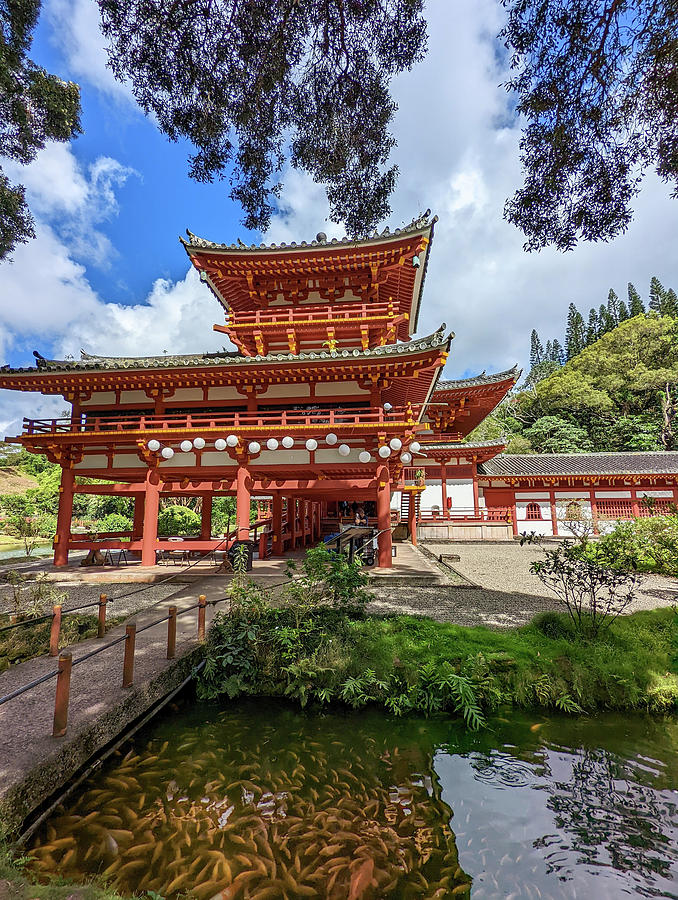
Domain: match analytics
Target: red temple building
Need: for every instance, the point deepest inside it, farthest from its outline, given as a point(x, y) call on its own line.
point(328, 398)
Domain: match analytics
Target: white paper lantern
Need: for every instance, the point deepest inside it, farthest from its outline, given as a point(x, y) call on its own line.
point(199, 443)
point(415, 447)
point(288, 442)
point(384, 451)
point(331, 439)
point(272, 444)
point(395, 444)
point(220, 444)
point(406, 458)
point(254, 447)
point(364, 456)
point(344, 449)
point(186, 446)
point(232, 440)
point(388, 407)
point(311, 444)
point(167, 453)
point(153, 445)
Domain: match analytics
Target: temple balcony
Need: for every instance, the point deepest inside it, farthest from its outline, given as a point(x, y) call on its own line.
point(251, 425)
point(289, 329)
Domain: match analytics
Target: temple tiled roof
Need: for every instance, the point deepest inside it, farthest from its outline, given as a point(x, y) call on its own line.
point(479, 380)
point(536, 464)
point(421, 223)
point(460, 445)
point(91, 362)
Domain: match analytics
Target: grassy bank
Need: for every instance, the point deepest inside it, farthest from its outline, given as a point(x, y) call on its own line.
point(412, 664)
point(18, 884)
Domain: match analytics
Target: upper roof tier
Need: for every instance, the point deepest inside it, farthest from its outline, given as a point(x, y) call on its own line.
point(385, 267)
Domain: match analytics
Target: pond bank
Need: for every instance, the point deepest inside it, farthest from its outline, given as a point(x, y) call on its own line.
point(34, 764)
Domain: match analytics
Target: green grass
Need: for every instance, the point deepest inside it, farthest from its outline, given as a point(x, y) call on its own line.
point(634, 665)
point(22, 886)
point(29, 641)
point(408, 663)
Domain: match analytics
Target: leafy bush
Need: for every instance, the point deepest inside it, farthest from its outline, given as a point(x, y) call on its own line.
point(176, 521)
point(115, 522)
point(641, 545)
point(593, 594)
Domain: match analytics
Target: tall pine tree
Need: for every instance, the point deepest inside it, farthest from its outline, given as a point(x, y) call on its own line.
point(623, 311)
point(536, 349)
point(557, 352)
point(636, 306)
point(657, 294)
point(575, 339)
point(592, 327)
point(613, 306)
point(670, 304)
point(605, 320)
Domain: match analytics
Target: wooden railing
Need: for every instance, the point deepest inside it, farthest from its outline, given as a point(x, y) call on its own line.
point(482, 514)
point(313, 314)
point(271, 422)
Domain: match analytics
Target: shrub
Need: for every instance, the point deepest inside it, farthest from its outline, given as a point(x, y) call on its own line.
point(178, 521)
point(593, 594)
point(641, 545)
point(115, 522)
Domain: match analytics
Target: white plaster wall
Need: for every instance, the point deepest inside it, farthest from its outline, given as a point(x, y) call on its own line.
point(668, 494)
point(572, 495)
point(224, 393)
point(282, 457)
point(101, 398)
point(332, 455)
point(182, 394)
point(217, 458)
point(532, 495)
point(611, 495)
point(286, 390)
point(543, 527)
point(432, 496)
point(179, 459)
point(396, 500)
point(128, 461)
point(139, 397)
point(521, 510)
point(345, 388)
point(93, 461)
point(461, 492)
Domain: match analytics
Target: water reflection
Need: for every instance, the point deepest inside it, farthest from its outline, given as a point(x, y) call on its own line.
point(259, 800)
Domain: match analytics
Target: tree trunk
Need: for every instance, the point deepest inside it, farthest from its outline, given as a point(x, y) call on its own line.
point(669, 407)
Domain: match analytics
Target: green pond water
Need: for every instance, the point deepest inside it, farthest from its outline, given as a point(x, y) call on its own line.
point(261, 800)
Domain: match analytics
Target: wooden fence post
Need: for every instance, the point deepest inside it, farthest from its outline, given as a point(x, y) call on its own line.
point(172, 632)
point(55, 630)
point(128, 662)
point(103, 600)
point(202, 601)
point(63, 690)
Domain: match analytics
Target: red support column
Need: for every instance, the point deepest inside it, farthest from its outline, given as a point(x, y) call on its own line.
point(554, 513)
point(384, 516)
point(63, 529)
point(476, 493)
point(443, 486)
point(635, 505)
point(242, 505)
point(206, 520)
point(278, 544)
point(151, 509)
point(138, 522)
point(412, 517)
point(594, 510)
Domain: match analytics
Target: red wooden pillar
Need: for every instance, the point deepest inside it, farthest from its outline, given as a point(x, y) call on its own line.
point(384, 516)
point(151, 509)
point(138, 522)
point(594, 510)
point(206, 518)
point(554, 513)
point(412, 517)
point(476, 493)
point(242, 505)
point(63, 529)
point(443, 485)
point(278, 544)
point(634, 504)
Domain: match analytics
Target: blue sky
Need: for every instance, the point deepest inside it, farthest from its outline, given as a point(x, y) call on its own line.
point(107, 273)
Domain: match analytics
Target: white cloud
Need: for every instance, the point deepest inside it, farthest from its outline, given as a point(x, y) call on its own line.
point(77, 34)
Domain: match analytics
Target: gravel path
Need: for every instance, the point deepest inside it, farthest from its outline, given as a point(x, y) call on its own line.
point(508, 594)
